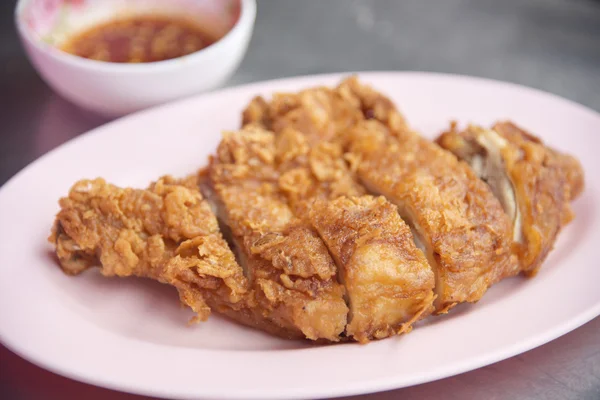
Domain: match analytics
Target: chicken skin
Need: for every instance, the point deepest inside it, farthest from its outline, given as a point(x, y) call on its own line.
point(533, 182)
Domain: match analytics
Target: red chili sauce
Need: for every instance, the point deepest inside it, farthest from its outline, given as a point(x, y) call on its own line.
point(140, 39)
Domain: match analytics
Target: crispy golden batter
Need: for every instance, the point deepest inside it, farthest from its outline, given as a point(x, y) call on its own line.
point(287, 264)
point(534, 183)
point(388, 280)
point(167, 233)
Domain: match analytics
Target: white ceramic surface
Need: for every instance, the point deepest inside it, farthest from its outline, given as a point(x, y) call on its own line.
point(117, 89)
point(131, 334)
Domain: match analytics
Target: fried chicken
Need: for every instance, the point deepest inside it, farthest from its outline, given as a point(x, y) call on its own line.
point(327, 217)
point(533, 182)
point(167, 233)
point(388, 281)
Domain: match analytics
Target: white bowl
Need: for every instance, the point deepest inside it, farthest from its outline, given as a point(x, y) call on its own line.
point(116, 89)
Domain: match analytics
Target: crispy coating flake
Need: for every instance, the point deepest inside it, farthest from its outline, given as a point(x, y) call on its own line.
point(388, 280)
point(308, 174)
point(167, 233)
point(540, 179)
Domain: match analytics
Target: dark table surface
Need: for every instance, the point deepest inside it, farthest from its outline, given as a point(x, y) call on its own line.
point(553, 45)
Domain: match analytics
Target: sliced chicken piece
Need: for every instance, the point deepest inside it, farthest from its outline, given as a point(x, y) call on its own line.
point(388, 281)
point(458, 222)
point(287, 264)
point(462, 227)
point(533, 182)
point(167, 233)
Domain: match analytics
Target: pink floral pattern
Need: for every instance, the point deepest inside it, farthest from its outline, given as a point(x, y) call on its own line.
point(44, 17)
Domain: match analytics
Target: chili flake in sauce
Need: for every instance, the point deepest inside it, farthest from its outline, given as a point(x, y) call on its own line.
point(140, 39)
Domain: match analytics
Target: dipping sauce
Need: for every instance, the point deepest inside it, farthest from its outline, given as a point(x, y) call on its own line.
point(140, 39)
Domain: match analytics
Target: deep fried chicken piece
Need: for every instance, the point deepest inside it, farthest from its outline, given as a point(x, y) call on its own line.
point(167, 233)
point(533, 182)
point(388, 280)
point(287, 264)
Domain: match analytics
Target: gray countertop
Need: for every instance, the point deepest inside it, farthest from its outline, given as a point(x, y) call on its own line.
point(553, 45)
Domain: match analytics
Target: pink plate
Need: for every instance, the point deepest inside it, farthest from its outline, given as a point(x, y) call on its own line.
point(131, 335)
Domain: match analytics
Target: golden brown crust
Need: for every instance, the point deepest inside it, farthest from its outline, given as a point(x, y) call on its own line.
point(289, 267)
point(543, 181)
point(166, 233)
point(388, 280)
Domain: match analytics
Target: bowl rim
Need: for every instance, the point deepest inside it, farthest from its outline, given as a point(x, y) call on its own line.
point(246, 18)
